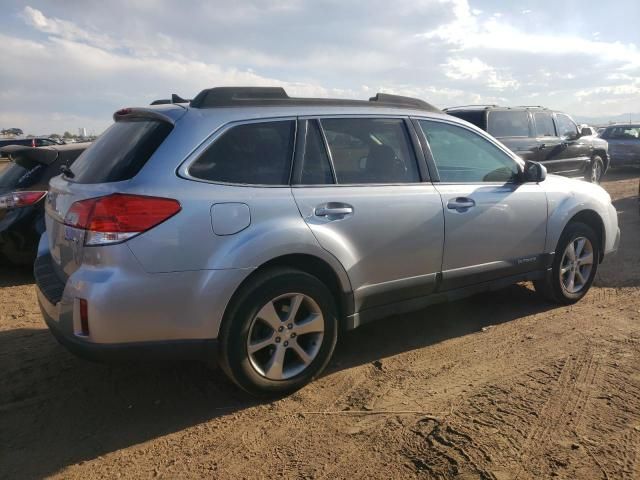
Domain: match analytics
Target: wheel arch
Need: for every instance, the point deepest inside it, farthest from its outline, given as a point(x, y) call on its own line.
point(604, 156)
point(336, 281)
point(591, 218)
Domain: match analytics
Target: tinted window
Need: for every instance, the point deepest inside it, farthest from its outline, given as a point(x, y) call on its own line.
point(622, 133)
point(315, 169)
point(508, 123)
point(544, 124)
point(464, 156)
point(120, 152)
point(371, 150)
point(565, 125)
point(253, 153)
point(477, 117)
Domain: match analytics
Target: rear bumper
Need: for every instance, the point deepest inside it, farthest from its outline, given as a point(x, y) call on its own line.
point(133, 315)
point(205, 350)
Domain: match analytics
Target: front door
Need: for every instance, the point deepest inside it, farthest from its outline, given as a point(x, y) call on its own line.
point(495, 226)
point(575, 154)
point(359, 188)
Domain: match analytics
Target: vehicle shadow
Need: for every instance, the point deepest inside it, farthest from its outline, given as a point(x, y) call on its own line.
point(15, 276)
point(57, 410)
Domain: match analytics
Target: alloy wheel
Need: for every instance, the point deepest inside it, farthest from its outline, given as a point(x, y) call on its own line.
point(576, 265)
point(285, 336)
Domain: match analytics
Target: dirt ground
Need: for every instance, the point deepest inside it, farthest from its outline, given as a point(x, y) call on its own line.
point(500, 386)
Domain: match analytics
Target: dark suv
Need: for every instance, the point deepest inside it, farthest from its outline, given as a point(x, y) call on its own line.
point(542, 135)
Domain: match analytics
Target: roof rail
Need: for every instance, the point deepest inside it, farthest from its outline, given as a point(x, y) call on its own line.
point(486, 105)
point(532, 106)
point(276, 96)
point(175, 98)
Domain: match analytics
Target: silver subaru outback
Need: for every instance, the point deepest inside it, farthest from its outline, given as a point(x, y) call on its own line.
point(252, 228)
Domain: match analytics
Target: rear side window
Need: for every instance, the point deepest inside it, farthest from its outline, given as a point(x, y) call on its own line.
point(544, 124)
point(371, 150)
point(252, 154)
point(508, 123)
point(622, 133)
point(120, 152)
point(476, 117)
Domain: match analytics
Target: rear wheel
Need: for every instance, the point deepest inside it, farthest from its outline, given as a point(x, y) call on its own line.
point(279, 333)
point(574, 266)
point(595, 170)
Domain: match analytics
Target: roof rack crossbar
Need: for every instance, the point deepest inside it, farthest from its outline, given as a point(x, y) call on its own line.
point(276, 96)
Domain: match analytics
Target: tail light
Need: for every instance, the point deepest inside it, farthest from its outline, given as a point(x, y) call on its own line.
point(119, 217)
point(20, 199)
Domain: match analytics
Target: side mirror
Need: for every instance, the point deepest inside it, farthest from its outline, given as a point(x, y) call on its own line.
point(585, 132)
point(534, 172)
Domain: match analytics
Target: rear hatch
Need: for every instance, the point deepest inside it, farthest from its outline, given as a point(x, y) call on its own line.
point(113, 159)
point(25, 172)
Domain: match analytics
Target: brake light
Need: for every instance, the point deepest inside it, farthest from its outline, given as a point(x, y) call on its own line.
point(20, 199)
point(119, 217)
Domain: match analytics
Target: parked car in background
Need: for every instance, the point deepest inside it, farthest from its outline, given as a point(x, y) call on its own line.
point(28, 142)
point(542, 135)
point(624, 143)
point(252, 227)
point(23, 185)
point(588, 131)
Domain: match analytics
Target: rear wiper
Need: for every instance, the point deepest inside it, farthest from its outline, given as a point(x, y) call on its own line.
point(66, 171)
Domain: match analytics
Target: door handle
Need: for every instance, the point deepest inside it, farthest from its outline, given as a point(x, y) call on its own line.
point(542, 147)
point(461, 204)
point(333, 211)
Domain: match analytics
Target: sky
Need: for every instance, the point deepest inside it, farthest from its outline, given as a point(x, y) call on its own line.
point(71, 64)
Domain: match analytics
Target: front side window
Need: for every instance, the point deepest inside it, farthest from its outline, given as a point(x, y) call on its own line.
point(566, 126)
point(507, 123)
point(252, 153)
point(463, 156)
point(371, 150)
point(544, 124)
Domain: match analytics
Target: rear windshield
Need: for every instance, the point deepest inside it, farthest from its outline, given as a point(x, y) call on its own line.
point(120, 152)
point(17, 176)
point(477, 117)
point(508, 123)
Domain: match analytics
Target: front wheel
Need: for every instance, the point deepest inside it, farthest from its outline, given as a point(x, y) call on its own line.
point(279, 332)
point(595, 170)
point(574, 266)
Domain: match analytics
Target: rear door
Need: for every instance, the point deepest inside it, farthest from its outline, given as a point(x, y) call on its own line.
point(495, 226)
point(361, 191)
point(575, 153)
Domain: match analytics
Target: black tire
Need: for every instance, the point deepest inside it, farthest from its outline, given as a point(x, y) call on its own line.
point(234, 357)
point(551, 286)
point(595, 171)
